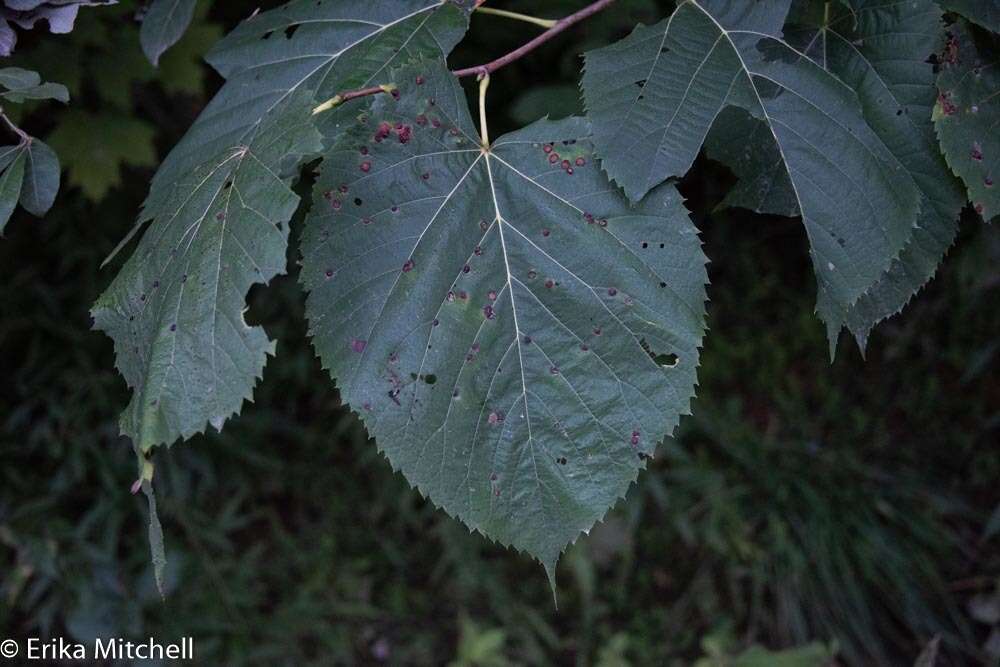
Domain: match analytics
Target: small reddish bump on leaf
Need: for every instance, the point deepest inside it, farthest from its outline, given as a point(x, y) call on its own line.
point(435, 322)
point(366, 221)
point(405, 133)
point(343, 188)
point(979, 208)
point(554, 370)
point(328, 273)
point(366, 166)
point(394, 209)
point(597, 331)
point(492, 296)
point(358, 345)
point(466, 268)
point(580, 162)
point(328, 194)
point(367, 406)
point(547, 148)
point(488, 312)
point(583, 347)
point(478, 251)
point(549, 283)
point(988, 182)
point(420, 80)
point(545, 232)
point(532, 274)
point(589, 218)
point(565, 164)
point(475, 347)
point(553, 158)
point(635, 437)
point(463, 295)
point(493, 477)
point(425, 176)
point(393, 357)
point(220, 216)
point(408, 265)
point(453, 131)
point(450, 296)
point(421, 120)
point(483, 226)
point(363, 150)
point(612, 291)
point(496, 417)
point(335, 204)
point(435, 122)
point(977, 152)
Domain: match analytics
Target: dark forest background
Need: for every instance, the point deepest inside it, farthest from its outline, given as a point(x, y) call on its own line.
point(807, 514)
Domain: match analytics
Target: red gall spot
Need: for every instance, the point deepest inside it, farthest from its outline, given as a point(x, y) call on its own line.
point(554, 370)
point(977, 152)
point(553, 158)
point(466, 268)
point(425, 176)
point(335, 204)
point(328, 273)
point(488, 312)
point(988, 182)
point(597, 331)
point(532, 274)
point(463, 295)
point(366, 166)
point(496, 417)
point(420, 80)
point(948, 107)
point(421, 120)
point(547, 149)
point(343, 188)
point(435, 122)
point(398, 126)
point(475, 347)
point(496, 492)
point(589, 218)
point(450, 296)
point(612, 291)
point(635, 437)
point(492, 296)
point(408, 266)
point(405, 133)
point(435, 322)
point(383, 131)
point(363, 150)
point(453, 131)
point(545, 232)
point(583, 347)
point(979, 208)
point(220, 216)
point(394, 209)
point(580, 162)
point(358, 345)
point(328, 194)
point(136, 486)
point(549, 283)
point(565, 164)
point(366, 221)
point(478, 251)
point(393, 357)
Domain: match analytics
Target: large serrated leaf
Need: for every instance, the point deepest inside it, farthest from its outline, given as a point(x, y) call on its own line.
point(255, 132)
point(654, 96)
point(882, 51)
point(515, 336)
point(967, 114)
point(175, 310)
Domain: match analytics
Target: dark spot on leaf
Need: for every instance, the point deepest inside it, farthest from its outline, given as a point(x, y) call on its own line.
point(358, 345)
point(488, 312)
point(366, 166)
point(408, 265)
point(420, 80)
point(612, 291)
point(430, 378)
point(580, 162)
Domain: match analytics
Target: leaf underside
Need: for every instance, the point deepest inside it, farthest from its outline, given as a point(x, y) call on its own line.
point(516, 337)
point(220, 204)
point(654, 96)
point(163, 25)
point(966, 112)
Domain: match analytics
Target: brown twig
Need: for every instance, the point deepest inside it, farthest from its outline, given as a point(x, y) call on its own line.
point(486, 68)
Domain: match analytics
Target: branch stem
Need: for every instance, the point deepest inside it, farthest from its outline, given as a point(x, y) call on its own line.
point(545, 23)
point(482, 70)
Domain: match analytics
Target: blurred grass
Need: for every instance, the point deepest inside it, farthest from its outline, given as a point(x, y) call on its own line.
point(843, 504)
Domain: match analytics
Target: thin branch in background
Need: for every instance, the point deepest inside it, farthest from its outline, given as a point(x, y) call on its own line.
point(488, 68)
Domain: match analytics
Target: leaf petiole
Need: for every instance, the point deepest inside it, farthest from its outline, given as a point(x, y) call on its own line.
point(544, 23)
point(484, 83)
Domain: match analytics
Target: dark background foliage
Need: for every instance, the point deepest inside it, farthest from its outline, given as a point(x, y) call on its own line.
point(846, 504)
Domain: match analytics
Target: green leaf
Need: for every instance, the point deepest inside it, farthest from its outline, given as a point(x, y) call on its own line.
point(164, 25)
point(12, 161)
point(967, 114)
point(515, 336)
point(22, 84)
point(95, 146)
point(882, 51)
point(232, 163)
point(175, 310)
point(555, 101)
point(984, 12)
point(654, 96)
point(41, 177)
